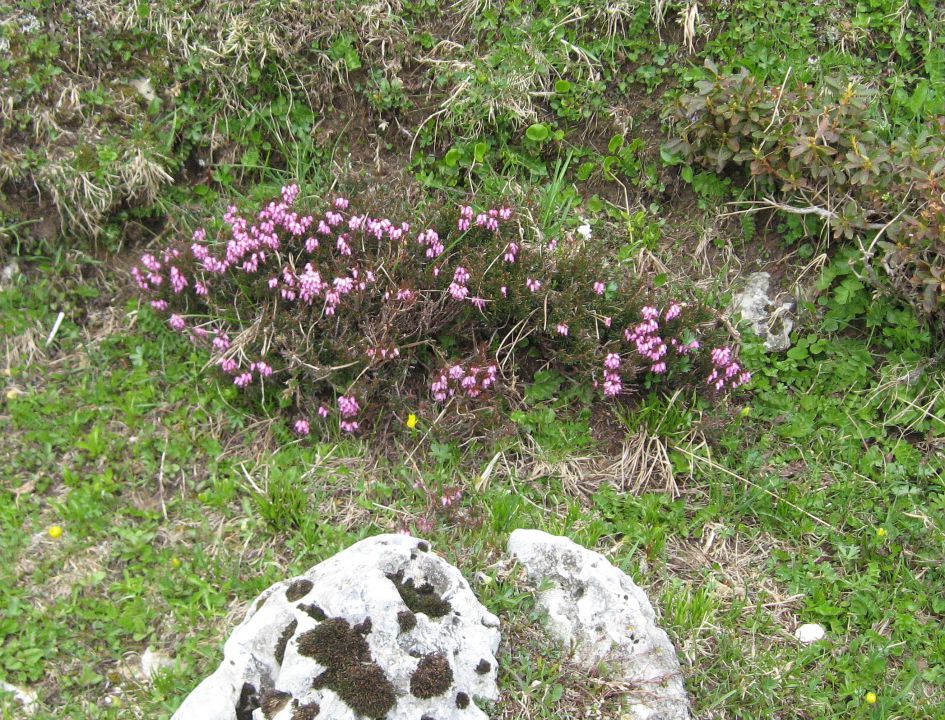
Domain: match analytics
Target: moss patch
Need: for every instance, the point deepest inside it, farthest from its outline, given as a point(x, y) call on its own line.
point(419, 599)
point(483, 667)
point(432, 677)
point(273, 701)
point(407, 621)
point(283, 640)
point(304, 712)
point(313, 611)
point(350, 671)
point(462, 700)
point(298, 590)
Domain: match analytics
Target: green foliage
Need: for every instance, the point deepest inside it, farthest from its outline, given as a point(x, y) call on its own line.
point(824, 150)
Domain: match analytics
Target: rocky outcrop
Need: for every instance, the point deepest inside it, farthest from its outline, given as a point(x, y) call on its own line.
point(770, 319)
point(605, 620)
point(384, 629)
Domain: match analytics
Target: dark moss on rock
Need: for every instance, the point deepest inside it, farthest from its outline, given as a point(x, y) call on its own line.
point(420, 599)
point(432, 677)
point(407, 621)
point(483, 667)
point(298, 590)
point(248, 701)
point(304, 712)
point(363, 687)
point(423, 547)
point(313, 611)
point(462, 700)
point(272, 702)
point(283, 641)
point(349, 669)
point(334, 642)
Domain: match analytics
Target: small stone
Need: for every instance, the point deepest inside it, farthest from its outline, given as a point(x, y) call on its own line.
point(25, 697)
point(153, 661)
point(810, 633)
point(770, 320)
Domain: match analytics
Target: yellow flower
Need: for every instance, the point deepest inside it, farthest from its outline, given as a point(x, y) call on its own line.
point(175, 562)
point(880, 532)
point(871, 698)
point(55, 532)
point(12, 393)
point(746, 411)
point(411, 421)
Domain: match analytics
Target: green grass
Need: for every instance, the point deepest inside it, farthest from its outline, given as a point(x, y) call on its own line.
point(816, 495)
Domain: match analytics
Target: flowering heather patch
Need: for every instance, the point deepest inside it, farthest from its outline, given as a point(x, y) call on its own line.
point(332, 311)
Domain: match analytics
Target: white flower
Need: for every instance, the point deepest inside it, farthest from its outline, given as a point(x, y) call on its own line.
point(584, 231)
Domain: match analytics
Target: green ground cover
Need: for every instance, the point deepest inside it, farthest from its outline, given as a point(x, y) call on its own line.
point(813, 494)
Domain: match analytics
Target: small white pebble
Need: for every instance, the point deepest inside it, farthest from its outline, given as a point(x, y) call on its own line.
point(810, 633)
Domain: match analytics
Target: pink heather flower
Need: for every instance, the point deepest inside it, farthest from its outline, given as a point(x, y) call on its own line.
point(263, 369)
point(607, 322)
point(405, 295)
point(150, 263)
point(533, 285)
point(341, 203)
point(229, 365)
point(301, 427)
point(176, 322)
point(243, 380)
point(612, 362)
point(200, 289)
point(456, 372)
point(505, 213)
point(552, 244)
point(461, 275)
point(478, 302)
point(504, 290)
point(511, 252)
point(562, 329)
point(349, 426)
point(322, 411)
point(348, 406)
point(221, 342)
point(599, 287)
point(159, 305)
point(459, 292)
point(612, 385)
point(463, 224)
point(649, 313)
point(673, 311)
point(178, 281)
point(658, 368)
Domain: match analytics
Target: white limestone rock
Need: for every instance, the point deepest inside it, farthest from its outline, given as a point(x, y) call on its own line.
point(384, 629)
point(810, 633)
point(768, 319)
point(605, 619)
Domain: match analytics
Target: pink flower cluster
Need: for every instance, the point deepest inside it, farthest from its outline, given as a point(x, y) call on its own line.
point(458, 289)
point(457, 380)
point(348, 407)
point(430, 240)
point(612, 380)
point(650, 344)
point(725, 370)
point(345, 267)
point(489, 220)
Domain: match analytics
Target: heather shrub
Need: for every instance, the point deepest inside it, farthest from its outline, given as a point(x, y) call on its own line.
point(342, 315)
point(823, 153)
